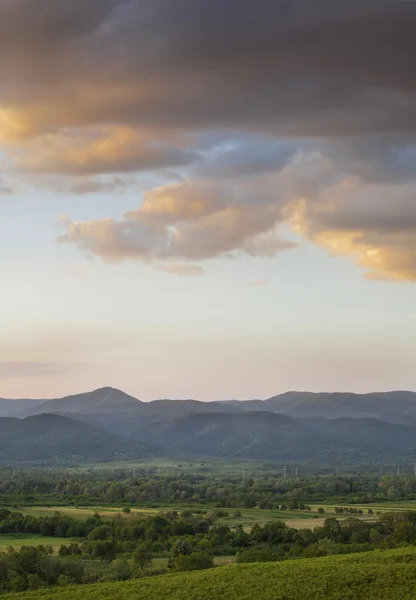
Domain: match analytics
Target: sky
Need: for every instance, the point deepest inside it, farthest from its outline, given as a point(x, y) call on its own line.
point(207, 199)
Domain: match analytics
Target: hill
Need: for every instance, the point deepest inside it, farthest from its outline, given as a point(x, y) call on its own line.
point(394, 407)
point(324, 427)
point(54, 438)
point(380, 437)
point(9, 408)
point(120, 413)
point(267, 436)
point(388, 575)
point(103, 399)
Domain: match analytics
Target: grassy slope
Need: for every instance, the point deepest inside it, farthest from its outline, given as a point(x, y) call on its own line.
point(387, 575)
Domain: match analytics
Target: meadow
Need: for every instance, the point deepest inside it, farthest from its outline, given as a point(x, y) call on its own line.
point(379, 575)
point(298, 519)
point(18, 540)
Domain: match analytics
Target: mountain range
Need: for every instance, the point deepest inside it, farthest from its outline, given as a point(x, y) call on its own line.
point(53, 438)
point(108, 424)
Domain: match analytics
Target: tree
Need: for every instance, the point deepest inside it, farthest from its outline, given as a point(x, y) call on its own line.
point(332, 528)
point(181, 547)
point(142, 557)
point(105, 550)
point(391, 492)
point(122, 570)
point(193, 562)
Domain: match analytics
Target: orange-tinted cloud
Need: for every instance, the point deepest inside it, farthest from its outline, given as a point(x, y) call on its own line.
point(374, 224)
point(186, 221)
point(184, 270)
point(90, 88)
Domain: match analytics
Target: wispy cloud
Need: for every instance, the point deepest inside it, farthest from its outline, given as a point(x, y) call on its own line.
point(184, 270)
point(5, 189)
point(15, 370)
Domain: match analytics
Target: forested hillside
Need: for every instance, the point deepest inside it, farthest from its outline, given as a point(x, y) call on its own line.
point(268, 436)
point(56, 438)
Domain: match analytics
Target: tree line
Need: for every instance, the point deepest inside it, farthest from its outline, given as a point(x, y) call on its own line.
point(267, 491)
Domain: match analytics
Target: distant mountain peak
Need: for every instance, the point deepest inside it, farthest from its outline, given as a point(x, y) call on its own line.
point(109, 393)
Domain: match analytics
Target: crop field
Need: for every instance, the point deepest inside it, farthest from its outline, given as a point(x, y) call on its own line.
point(380, 575)
point(297, 519)
point(81, 512)
point(381, 506)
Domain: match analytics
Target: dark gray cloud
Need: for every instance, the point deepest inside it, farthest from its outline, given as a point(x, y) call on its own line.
point(329, 67)
point(38, 38)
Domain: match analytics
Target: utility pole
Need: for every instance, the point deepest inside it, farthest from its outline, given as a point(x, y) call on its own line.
point(296, 472)
point(398, 469)
point(284, 472)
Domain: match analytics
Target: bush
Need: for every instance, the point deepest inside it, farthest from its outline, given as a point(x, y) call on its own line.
point(193, 562)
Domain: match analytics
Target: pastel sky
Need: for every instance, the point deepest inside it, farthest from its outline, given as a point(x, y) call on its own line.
point(207, 199)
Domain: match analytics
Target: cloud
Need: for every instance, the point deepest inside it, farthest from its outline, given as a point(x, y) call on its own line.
point(81, 186)
point(5, 189)
point(186, 222)
point(86, 152)
point(373, 224)
point(242, 156)
point(287, 66)
point(184, 270)
point(368, 217)
point(94, 186)
point(265, 113)
point(15, 370)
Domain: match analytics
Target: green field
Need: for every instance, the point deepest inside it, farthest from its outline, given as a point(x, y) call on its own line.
point(23, 539)
point(81, 512)
point(388, 575)
point(249, 516)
